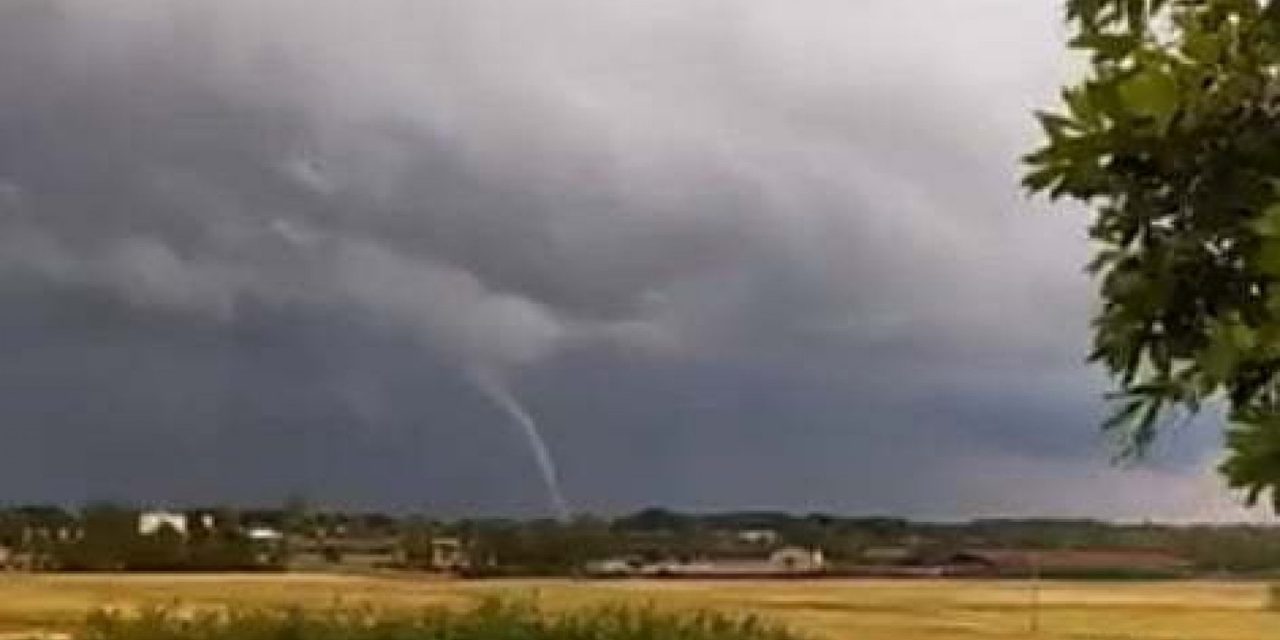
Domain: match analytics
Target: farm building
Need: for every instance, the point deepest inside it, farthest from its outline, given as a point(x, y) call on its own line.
point(615, 567)
point(449, 554)
point(346, 553)
point(765, 537)
point(787, 561)
point(797, 560)
point(152, 522)
point(264, 534)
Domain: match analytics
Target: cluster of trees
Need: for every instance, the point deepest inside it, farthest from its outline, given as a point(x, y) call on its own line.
point(551, 548)
point(548, 547)
point(542, 547)
point(107, 538)
point(104, 537)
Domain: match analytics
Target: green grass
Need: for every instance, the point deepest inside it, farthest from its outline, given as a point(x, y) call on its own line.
point(493, 620)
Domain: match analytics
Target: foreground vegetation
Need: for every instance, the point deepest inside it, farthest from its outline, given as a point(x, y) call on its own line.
point(835, 610)
point(493, 620)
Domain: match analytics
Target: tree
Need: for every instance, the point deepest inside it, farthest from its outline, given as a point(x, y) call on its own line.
point(1172, 140)
point(297, 517)
point(162, 550)
point(109, 536)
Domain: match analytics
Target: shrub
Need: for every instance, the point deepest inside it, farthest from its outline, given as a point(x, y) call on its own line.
point(489, 621)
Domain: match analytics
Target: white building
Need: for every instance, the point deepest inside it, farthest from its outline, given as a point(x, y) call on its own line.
point(151, 522)
point(448, 554)
point(613, 567)
point(763, 537)
point(798, 560)
point(264, 534)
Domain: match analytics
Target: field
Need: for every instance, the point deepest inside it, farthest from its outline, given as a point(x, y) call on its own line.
point(857, 610)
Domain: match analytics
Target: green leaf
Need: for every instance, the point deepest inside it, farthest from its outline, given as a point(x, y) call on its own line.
point(1080, 108)
point(1151, 93)
point(1136, 11)
point(1268, 223)
point(1217, 362)
point(1202, 47)
point(1042, 179)
point(1254, 461)
point(1107, 46)
point(1269, 258)
point(1055, 125)
point(1273, 303)
point(1230, 342)
point(1242, 338)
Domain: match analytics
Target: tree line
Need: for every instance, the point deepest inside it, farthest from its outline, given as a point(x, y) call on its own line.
point(107, 537)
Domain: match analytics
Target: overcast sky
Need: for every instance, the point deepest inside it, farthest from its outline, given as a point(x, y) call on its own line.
point(766, 254)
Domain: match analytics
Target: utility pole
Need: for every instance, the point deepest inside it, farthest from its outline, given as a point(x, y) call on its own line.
point(1035, 593)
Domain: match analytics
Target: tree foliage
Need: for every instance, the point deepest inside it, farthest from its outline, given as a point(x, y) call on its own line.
point(1171, 140)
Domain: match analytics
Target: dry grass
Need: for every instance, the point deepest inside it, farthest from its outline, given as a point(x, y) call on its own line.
point(858, 610)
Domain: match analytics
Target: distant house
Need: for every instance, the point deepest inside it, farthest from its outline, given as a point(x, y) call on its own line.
point(17, 560)
point(784, 562)
point(152, 522)
point(449, 554)
point(797, 560)
point(762, 537)
point(206, 521)
point(34, 535)
point(614, 567)
point(264, 534)
point(675, 568)
point(373, 552)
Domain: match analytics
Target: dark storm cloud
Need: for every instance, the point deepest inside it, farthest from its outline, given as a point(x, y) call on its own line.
point(707, 239)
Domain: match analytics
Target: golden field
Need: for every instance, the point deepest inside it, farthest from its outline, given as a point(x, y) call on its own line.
point(857, 610)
